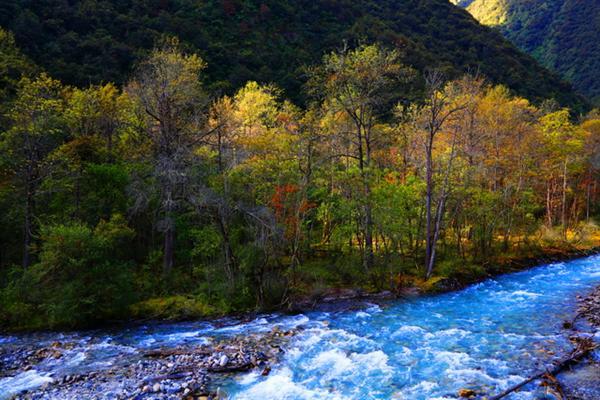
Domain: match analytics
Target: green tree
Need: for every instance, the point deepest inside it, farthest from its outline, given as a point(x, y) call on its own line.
point(83, 276)
point(37, 128)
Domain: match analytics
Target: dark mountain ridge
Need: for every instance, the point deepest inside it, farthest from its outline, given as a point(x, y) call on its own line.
point(93, 41)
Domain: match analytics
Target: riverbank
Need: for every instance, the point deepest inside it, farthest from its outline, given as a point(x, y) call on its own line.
point(349, 297)
point(181, 372)
point(412, 286)
point(443, 334)
point(316, 282)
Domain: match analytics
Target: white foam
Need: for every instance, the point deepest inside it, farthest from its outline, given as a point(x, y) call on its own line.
point(336, 364)
point(452, 359)
point(375, 360)
point(333, 363)
point(457, 332)
point(525, 293)
point(374, 308)
point(248, 379)
point(6, 339)
point(24, 381)
point(289, 322)
point(470, 374)
point(409, 330)
point(147, 342)
point(418, 390)
point(340, 336)
point(281, 386)
point(257, 324)
point(76, 359)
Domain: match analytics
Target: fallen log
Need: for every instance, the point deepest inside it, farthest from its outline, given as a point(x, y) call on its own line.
point(584, 348)
point(232, 368)
point(161, 353)
point(554, 387)
point(164, 377)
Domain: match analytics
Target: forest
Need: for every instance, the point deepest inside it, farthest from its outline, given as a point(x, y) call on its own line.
point(162, 198)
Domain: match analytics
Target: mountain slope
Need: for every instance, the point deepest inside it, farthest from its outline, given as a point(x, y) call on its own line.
point(564, 35)
point(269, 40)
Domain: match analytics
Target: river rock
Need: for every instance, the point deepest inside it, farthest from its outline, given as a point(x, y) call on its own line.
point(468, 393)
point(223, 360)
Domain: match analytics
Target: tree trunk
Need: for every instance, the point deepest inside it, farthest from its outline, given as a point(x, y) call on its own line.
point(169, 248)
point(436, 234)
point(549, 204)
point(563, 215)
point(230, 261)
point(428, 201)
point(369, 259)
point(587, 200)
point(27, 227)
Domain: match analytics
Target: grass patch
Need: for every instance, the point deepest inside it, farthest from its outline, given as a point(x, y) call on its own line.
point(173, 308)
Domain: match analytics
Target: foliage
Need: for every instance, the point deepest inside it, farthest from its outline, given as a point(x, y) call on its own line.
point(82, 277)
point(13, 66)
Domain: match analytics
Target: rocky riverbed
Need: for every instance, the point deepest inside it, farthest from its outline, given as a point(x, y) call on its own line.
point(182, 372)
point(589, 308)
point(582, 381)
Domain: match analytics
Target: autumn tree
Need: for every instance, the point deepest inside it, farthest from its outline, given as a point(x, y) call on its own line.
point(592, 146)
point(430, 119)
point(171, 102)
point(501, 165)
point(362, 84)
point(563, 143)
point(98, 111)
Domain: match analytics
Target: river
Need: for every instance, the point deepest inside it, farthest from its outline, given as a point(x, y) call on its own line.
point(486, 338)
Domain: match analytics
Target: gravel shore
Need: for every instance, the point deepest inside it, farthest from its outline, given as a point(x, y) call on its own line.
point(583, 381)
point(186, 372)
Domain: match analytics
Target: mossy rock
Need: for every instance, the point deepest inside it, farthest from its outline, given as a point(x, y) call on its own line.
point(438, 284)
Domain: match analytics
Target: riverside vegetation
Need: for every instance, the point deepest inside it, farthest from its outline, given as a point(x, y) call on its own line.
point(162, 199)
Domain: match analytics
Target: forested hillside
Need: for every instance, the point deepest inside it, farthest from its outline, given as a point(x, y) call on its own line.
point(83, 42)
point(564, 35)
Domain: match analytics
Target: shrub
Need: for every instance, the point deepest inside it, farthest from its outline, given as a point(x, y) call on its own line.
point(82, 278)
